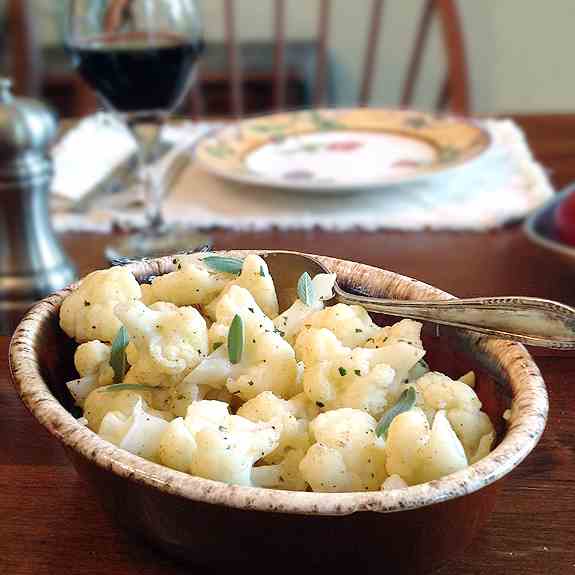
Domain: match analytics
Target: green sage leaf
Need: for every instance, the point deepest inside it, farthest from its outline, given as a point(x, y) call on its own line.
point(227, 265)
point(404, 403)
point(305, 290)
point(118, 359)
point(236, 337)
point(128, 386)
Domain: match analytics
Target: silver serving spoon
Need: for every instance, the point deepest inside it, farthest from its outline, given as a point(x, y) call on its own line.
point(529, 320)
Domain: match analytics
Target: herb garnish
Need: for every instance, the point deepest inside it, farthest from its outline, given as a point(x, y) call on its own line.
point(118, 359)
point(342, 371)
point(129, 386)
point(224, 264)
point(306, 290)
point(236, 338)
point(405, 403)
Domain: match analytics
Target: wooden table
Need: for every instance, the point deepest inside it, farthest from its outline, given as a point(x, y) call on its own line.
point(48, 524)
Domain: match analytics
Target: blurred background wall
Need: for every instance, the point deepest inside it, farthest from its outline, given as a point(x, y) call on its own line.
point(518, 50)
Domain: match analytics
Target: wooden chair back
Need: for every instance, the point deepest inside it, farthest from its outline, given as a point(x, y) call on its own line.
point(453, 94)
point(23, 45)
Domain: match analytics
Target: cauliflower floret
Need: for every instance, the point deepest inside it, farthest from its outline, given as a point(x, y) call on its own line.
point(468, 378)
point(302, 407)
point(336, 376)
point(291, 418)
point(292, 320)
point(92, 362)
point(351, 324)
point(88, 312)
point(347, 455)
point(228, 453)
point(227, 445)
point(293, 431)
point(254, 277)
point(417, 453)
point(267, 363)
point(172, 340)
point(103, 400)
point(237, 301)
point(406, 330)
point(284, 475)
point(437, 391)
point(316, 345)
point(190, 284)
point(139, 432)
point(145, 371)
point(394, 482)
point(90, 356)
point(177, 446)
point(211, 443)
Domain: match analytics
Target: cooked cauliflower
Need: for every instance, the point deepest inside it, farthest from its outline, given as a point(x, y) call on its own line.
point(393, 482)
point(88, 312)
point(255, 278)
point(351, 324)
point(282, 417)
point(418, 453)
point(211, 443)
point(139, 432)
point(293, 431)
point(177, 446)
point(462, 407)
point(268, 361)
point(92, 362)
point(292, 320)
point(102, 400)
point(266, 365)
point(191, 283)
point(227, 446)
point(347, 455)
point(169, 339)
point(237, 301)
point(283, 475)
point(290, 418)
point(368, 379)
point(406, 330)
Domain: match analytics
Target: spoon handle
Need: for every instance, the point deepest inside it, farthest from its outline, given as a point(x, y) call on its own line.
point(529, 320)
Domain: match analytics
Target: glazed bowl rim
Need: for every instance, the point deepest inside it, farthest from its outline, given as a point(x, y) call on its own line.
point(529, 416)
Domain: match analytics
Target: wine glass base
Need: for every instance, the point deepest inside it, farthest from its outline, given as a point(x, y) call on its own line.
point(165, 241)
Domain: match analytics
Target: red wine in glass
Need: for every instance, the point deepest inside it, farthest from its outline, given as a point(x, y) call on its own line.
point(134, 73)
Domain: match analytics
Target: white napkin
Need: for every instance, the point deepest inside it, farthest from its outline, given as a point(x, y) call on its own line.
point(504, 185)
point(88, 153)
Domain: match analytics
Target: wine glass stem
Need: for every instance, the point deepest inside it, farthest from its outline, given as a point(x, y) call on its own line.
point(147, 137)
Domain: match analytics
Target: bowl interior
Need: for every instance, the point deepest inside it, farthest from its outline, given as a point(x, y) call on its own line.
point(42, 361)
point(444, 353)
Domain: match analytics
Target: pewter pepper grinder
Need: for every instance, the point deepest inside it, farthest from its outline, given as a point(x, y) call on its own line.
point(32, 262)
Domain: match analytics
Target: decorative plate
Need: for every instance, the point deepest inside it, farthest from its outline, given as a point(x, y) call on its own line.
point(340, 150)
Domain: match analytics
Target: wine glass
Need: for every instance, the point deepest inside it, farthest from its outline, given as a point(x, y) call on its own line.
point(140, 57)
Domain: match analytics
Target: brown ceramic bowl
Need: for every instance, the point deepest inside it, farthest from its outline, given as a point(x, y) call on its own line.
point(208, 522)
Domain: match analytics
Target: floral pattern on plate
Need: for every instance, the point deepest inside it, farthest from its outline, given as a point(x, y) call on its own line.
point(334, 149)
